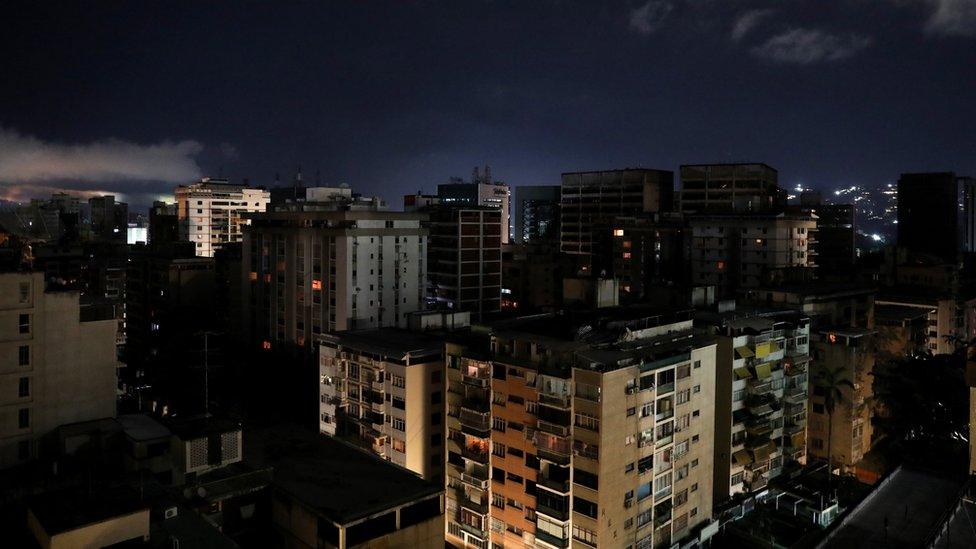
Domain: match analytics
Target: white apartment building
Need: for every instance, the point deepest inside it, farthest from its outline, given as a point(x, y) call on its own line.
point(210, 212)
point(315, 269)
point(56, 366)
point(761, 397)
point(730, 251)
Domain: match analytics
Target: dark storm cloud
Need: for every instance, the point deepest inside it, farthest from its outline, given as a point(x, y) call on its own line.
point(392, 97)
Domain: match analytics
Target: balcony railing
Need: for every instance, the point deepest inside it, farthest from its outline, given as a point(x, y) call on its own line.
point(476, 381)
point(555, 455)
point(476, 455)
point(479, 421)
point(663, 415)
point(665, 388)
point(552, 428)
point(559, 401)
point(663, 441)
point(472, 480)
point(550, 512)
point(551, 539)
point(561, 486)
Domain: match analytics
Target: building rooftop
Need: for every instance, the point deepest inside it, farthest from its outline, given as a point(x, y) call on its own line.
point(141, 428)
point(897, 313)
point(188, 428)
point(339, 482)
point(67, 510)
point(814, 290)
point(391, 342)
point(904, 511)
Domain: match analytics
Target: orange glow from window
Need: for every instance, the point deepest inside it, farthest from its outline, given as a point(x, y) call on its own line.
point(267, 278)
point(832, 338)
point(618, 232)
point(316, 284)
point(720, 265)
point(266, 345)
point(626, 255)
point(253, 276)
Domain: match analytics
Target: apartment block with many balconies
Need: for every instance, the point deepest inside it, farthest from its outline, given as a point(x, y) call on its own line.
point(761, 397)
point(590, 430)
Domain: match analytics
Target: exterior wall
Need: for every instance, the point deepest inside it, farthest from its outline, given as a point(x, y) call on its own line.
point(363, 407)
point(134, 526)
point(852, 430)
point(210, 213)
point(464, 267)
point(740, 251)
point(727, 188)
point(589, 198)
point(71, 365)
point(365, 271)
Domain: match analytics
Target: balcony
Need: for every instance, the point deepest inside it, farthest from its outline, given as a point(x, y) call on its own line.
point(480, 381)
point(556, 485)
point(480, 422)
point(760, 388)
point(474, 454)
point(474, 481)
point(377, 386)
point(664, 441)
point(552, 428)
point(665, 388)
point(663, 415)
point(550, 539)
point(550, 512)
point(557, 401)
point(479, 507)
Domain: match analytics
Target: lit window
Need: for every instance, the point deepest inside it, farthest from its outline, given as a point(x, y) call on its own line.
point(266, 345)
point(316, 284)
point(618, 232)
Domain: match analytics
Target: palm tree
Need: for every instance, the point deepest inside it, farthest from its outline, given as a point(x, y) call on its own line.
point(831, 381)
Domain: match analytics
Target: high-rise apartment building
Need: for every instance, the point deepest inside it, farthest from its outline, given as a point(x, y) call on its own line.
point(536, 212)
point(109, 219)
point(481, 191)
point(745, 251)
point(760, 397)
point(464, 258)
point(729, 188)
point(591, 198)
point(211, 212)
point(57, 365)
point(928, 214)
point(646, 254)
point(594, 432)
point(843, 344)
point(325, 267)
point(383, 390)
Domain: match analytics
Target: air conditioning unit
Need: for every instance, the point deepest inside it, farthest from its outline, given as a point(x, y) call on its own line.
point(170, 513)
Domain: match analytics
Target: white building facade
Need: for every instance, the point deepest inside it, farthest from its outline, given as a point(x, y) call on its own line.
point(210, 212)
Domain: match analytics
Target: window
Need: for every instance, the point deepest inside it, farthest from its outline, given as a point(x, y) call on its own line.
point(681, 522)
point(584, 478)
point(24, 323)
point(435, 377)
point(681, 498)
point(694, 463)
point(694, 487)
point(681, 448)
point(631, 411)
point(586, 536)
point(435, 419)
point(398, 403)
point(23, 389)
point(25, 290)
point(818, 408)
point(817, 443)
point(681, 473)
point(498, 500)
point(587, 391)
point(693, 512)
point(435, 397)
point(684, 371)
point(684, 396)
point(23, 355)
point(23, 418)
point(647, 409)
point(399, 445)
point(629, 468)
point(397, 381)
point(697, 364)
point(587, 421)
point(399, 424)
point(23, 449)
point(585, 507)
point(737, 479)
point(696, 389)
point(435, 441)
point(498, 449)
point(516, 452)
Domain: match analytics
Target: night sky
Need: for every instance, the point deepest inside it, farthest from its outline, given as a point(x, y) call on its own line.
point(394, 97)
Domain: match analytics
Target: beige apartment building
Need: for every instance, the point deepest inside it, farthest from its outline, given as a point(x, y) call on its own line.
point(56, 366)
point(746, 251)
point(383, 390)
point(583, 431)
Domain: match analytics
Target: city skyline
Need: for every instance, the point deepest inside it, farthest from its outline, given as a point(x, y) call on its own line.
point(109, 101)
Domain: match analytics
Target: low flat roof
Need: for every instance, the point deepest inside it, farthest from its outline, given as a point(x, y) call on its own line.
point(140, 427)
point(339, 482)
point(187, 428)
point(66, 510)
point(387, 342)
point(911, 503)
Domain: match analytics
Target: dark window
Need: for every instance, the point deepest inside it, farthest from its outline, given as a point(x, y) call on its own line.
point(435, 418)
point(23, 355)
point(398, 403)
point(23, 418)
point(584, 478)
point(584, 507)
point(24, 388)
point(435, 397)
